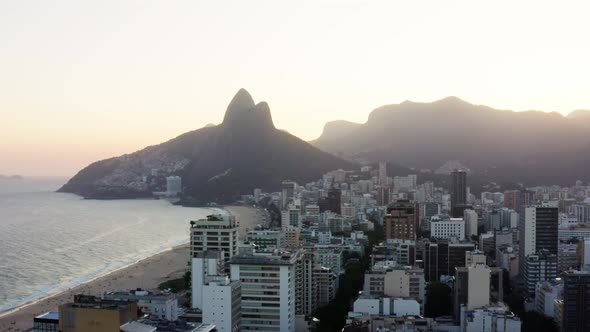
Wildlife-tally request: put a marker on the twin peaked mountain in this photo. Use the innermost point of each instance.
(216, 163)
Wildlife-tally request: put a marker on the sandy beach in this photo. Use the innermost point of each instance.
(248, 217)
(147, 274)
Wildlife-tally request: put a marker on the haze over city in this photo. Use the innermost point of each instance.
(145, 72)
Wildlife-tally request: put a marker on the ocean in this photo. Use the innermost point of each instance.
(51, 241)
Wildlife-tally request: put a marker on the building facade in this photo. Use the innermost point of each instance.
(215, 233)
(576, 302)
(458, 192)
(446, 229)
(401, 221)
(539, 267)
(268, 290)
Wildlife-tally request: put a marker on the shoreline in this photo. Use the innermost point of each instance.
(146, 273)
(151, 271)
(55, 291)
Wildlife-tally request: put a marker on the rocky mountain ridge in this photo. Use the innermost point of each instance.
(528, 146)
(216, 163)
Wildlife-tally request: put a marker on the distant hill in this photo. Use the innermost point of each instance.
(516, 146)
(581, 117)
(579, 114)
(335, 130)
(216, 163)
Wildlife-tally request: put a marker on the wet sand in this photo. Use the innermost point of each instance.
(147, 273)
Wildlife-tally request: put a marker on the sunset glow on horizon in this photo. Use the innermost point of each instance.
(83, 81)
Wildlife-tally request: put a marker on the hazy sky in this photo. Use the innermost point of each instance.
(86, 80)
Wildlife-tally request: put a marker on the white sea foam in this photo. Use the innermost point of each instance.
(51, 242)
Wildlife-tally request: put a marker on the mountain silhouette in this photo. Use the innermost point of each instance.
(518, 146)
(216, 163)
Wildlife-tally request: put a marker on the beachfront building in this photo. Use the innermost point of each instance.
(266, 238)
(223, 300)
(268, 289)
(203, 265)
(47, 322)
(214, 293)
(151, 325)
(158, 305)
(91, 314)
(215, 233)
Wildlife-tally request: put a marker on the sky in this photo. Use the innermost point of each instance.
(87, 80)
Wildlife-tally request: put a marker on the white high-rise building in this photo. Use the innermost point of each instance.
(382, 173)
(268, 289)
(218, 297)
(203, 266)
(478, 286)
(470, 217)
(497, 318)
(257, 193)
(223, 301)
(475, 257)
(539, 267)
(445, 229)
(173, 185)
(215, 233)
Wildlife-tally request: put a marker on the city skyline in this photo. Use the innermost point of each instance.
(133, 74)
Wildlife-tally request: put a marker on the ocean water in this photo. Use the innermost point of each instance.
(53, 241)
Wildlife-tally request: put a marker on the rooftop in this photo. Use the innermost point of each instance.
(137, 327)
(51, 315)
(266, 257)
(139, 294)
(92, 302)
(177, 326)
(215, 221)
